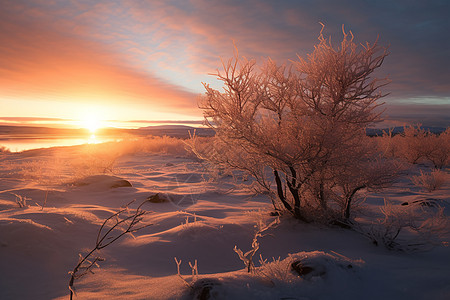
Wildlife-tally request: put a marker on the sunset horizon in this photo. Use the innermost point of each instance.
(224, 150)
(86, 123)
(127, 61)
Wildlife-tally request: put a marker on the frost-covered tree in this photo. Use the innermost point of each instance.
(294, 127)
(370, 170)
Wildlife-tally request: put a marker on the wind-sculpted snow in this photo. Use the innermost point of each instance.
(197, 218)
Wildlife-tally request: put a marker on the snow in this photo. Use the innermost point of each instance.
(201, 219)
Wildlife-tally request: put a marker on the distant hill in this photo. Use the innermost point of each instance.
(167, 127)
(50, 132)
(399, 130)
(32, 130)
(179, 131)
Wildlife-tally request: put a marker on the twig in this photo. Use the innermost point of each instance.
(106, 238)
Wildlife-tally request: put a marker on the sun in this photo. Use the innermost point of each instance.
(91, 123)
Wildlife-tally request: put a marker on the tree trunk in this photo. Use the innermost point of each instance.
(280, 192)
(296, 196)
(321, 195)
(294, 189)
(348, 201)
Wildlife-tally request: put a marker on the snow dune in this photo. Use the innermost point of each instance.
(195, 219)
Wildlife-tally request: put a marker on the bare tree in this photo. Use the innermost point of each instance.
(293, 127)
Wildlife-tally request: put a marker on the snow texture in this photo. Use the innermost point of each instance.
(196, 219)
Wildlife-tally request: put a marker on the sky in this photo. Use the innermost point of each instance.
(129, 63)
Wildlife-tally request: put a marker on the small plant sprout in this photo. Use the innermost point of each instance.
(45, 201)
(21, 201)
(194, 269)
(409, 228)
(247, 257)
(125, 221)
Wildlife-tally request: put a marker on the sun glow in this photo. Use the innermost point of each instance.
(91, 122)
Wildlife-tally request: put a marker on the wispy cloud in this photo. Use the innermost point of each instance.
(32, 119)
(153, 55)
(45, 60)
(413, 114)
(418, 63)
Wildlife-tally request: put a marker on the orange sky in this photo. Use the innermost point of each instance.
(63, 61)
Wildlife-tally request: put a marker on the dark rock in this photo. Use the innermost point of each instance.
(308, 271)
(300, 269)
(429, 202)
(156, 198)
(101, 182)
(121, 183)
(203, 289)
(342, 224)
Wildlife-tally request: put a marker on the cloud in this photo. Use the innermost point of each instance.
(32, 119)
(413, 114)
(155, 54)
(44, 61)
(418, 64)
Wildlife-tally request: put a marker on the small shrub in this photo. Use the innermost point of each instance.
(153, 144)
(439, 154)
(113, 228)
(21, 201)
(388, 144)
(309, 266)
(416, 145)
(411, 227)
(247, 257)
(430, 181)
(277, 270)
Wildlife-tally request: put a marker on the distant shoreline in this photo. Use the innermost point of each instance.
(8, 132)
(23, 138)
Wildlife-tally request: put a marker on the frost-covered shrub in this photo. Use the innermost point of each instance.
(430, 181)
(410, 227)
(294, 128)
(414, 144)
(389, 144)
(417, 145)
(247, 257)
(94, 159)
(306, 266)
(370, 172)
(164, 144)
(439, 153)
